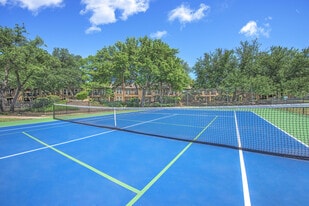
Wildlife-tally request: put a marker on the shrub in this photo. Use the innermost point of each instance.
(54, 98)
(81, 95)
(134, 102)
(42, 102)
(113, 104)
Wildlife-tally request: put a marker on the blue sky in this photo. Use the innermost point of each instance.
(193, 27)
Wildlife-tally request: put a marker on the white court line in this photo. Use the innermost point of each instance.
(242, 167)
(82, 138)
(281, 130)
(41, 148)
(38, 129)
(34, 126)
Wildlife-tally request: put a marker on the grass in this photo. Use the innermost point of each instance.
(69, 113)
(7, 120)
(294, 121)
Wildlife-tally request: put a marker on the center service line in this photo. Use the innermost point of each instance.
(245, 186)
(142, 192)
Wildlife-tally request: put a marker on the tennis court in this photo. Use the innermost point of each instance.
(191, 156)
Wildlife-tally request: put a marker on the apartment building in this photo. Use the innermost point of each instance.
(124, 94)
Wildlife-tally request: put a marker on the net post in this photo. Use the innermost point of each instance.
(115, 117)
(54, 115)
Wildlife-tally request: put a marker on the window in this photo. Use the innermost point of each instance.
(119, 91)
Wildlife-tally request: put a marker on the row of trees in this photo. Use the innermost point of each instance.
(251, 73)
(145, 63)
(149, 65)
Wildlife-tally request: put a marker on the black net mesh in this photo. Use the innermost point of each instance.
(275, 129)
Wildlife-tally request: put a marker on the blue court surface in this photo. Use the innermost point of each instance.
(63, 163)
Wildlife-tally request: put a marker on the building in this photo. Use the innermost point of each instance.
(163, 95)
(128, 93)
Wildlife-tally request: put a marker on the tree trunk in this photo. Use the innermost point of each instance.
(161, 93)
(4, 86)
(20, 85)
(123, 88)
(2, 100)
(12, 106)
(143, 97)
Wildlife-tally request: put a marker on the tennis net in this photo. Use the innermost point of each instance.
(281, 130)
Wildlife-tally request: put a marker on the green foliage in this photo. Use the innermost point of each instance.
(21, 60)
(134, 102)
(54, 98)
(144, 63)
(113, 104)
(45, 102)
(245, 72)
(81, 95)
(158, 104)
(250, 73)
(63, 72)
(41, 102)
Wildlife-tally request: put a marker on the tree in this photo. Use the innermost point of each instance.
(22, 59)
(202, 71)
(172, 71)
(8, 39)
(69, 72)
(62, 72)
(143, 62)
(274, 65)
(297, 73)
(252, 73)
(247, 54)
(218, 70)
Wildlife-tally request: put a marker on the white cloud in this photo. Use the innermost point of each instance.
(158, 34)
(131, 7)
(104, 11)
(93, 29)
(252, 29)
(185, 15)
(35, 5)
(2, 2)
